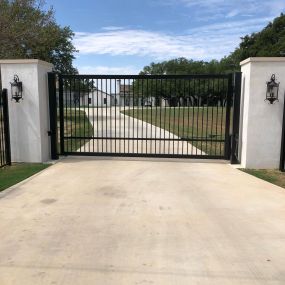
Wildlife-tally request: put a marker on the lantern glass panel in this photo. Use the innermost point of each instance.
(15, 91)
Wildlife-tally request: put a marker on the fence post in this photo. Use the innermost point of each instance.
(6, 126)
(228, 117)
(53, 114)
(236, 118)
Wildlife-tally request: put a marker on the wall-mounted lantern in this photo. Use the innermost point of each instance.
(16, 89)
(272, 90)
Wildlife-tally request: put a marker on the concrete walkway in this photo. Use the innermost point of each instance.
(111, 123)
(117, 222)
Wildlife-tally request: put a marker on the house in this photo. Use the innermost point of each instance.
(126, 94)
(96, 98)
(128, 98)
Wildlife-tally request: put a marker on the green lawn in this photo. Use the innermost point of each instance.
(189, 122)
(10, 175)
(273, 176)
(76, 123)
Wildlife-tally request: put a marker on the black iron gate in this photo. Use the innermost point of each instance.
(5, 151)
(145, 115)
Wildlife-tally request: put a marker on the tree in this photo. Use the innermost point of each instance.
(186, 66)
(270, 41)
(28, 31)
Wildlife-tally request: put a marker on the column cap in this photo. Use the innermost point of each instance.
(262, 59)
(25, 61)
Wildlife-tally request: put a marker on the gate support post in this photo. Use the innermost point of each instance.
(228, 118)
(29, 118)
(52, 114)
(6, 126)
(236, 118)
(261, 122)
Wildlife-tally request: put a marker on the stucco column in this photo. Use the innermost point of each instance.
(29, 119)
(261, 123)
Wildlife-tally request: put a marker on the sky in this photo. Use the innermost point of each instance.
(123, 36)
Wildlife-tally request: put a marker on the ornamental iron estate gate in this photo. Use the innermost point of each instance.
(5, 151)
(145, 115)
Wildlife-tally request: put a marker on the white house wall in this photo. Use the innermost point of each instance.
(96, 99)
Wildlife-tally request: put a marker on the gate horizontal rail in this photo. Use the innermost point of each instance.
(144, 115)
(178, 76)
(142, 139)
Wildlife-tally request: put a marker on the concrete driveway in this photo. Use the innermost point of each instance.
(107, 222)
(111, 123)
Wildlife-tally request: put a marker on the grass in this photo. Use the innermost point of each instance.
(11, 175)
(76, 124)
(273, 176)
(207, 123)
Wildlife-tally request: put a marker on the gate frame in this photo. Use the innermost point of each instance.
(234, 157)
(53, 114)
(231, 137)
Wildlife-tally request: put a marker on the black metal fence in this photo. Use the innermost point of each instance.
(143, 115)
(5, 151)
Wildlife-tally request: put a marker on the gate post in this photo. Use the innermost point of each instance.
(236, 118)
(6, 126)
(53, 114)
(29, 118)
(228, 117)
(261, 122)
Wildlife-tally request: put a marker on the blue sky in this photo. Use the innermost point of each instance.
(122, 36)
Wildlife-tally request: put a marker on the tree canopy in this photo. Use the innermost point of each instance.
(27, 30)
(186, 66)
(270, 41)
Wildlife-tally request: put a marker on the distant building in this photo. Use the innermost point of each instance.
(97, 98)
(125, 94)
(128, 98)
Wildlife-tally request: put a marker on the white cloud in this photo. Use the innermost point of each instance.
(108, 70)
(232, 13)
(232, 27)
(136, 42)
(206, 42)
(112, 28)
(204, 3)
(229, 8)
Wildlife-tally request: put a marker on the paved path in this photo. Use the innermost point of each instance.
(110, 122)
(119, 222)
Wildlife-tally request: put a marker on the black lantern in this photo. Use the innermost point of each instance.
(272, 90)
(17, 89)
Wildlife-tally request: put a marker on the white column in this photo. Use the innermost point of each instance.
(261, 123)
(29, 119)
